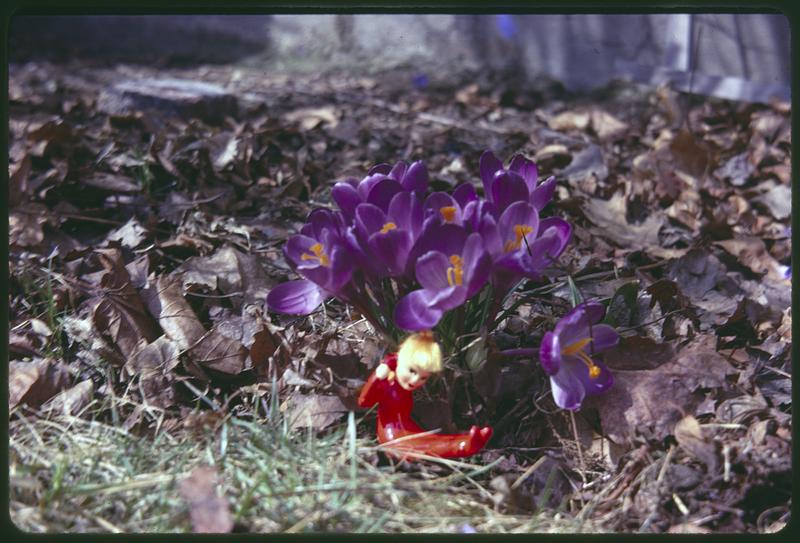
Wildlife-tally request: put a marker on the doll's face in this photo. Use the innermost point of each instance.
(410, 376)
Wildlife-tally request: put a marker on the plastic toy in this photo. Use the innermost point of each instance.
(391, 386)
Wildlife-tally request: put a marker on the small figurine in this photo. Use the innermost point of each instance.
(391, 386)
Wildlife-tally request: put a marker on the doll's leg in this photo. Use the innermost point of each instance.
(442, 445)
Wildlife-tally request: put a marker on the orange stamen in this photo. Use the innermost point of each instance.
(576, 349)
(455, 273)
(318, 254)
(448, 213)
(388, 226)
(520, 231)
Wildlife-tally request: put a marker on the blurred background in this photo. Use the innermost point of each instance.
(737, 56)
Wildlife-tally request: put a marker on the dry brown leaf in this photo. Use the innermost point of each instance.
(609, 217)
(650, 402)
(310, 118)
(18, 182)
(606, 126)
(131, 234)
(570, 120)
(120, 313)
(752, 252)
(229, 271)
(26, 223)
(313, 410)
(690, 154)
(211, 349)
(638, 353)
(112, 182)
(689, 435)
(778, 200)
(209, 512)
(35, 382)
(72, 400)
(177, 318)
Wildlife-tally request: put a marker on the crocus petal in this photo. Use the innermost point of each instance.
(507, 188)
(579, 370)
(477, 264)
(431, 271)
(491, 236)
(438, 200)
(405, 210)
(519, 213)
(526, 169)
(603, 337)
(365, 185)
(369, 219)
(579, 317)
(299, 297)
(541, 195)
(550, 353)
(392, 249)
(298, 245)
(464, 194)
(574, 326)
(446, 238)
(346, 197)
(475, 211)
(382, 192)
(382, 168)
(558, 227)
(322, 219)
(341, 269)
(398, 171)
(416, 177)
(412, 312)
(488, 165)
(448, 298)
(568, 390)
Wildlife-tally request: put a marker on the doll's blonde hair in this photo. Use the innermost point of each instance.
(422, 351)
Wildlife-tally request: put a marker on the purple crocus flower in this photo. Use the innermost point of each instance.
(519, 182)
(452, 268)
(379, 186)
(443, 208)
(319, 253)
(566, 354)
(385, 239)
(520, 244)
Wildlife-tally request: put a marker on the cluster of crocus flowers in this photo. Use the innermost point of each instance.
(409, 259)
(404, 256)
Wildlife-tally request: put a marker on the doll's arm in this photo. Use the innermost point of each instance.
(374, 388)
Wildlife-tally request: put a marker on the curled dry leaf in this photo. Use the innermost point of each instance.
(606, 126)
(211, 349)
(209, 512)
(26, 224)
(690, 436)
(72, 400)
(111, 182)
(778, 201)
(752, 252)
(160, 355)
(609, 217)
(638, 403)
(313, 410)
(131, 234)
(35, 382)
(120, 314)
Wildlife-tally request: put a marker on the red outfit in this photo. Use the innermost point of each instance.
(394, 420)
